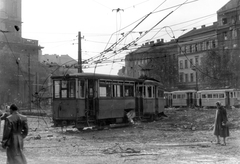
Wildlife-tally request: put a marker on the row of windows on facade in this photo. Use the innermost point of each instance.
(189, 63)
(188, 77)
(202, 46)
(145, 61)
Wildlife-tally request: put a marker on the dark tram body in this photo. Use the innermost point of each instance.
(87, 99)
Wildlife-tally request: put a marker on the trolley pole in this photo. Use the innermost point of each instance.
(79, 53)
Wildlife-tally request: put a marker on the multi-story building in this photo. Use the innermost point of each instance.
(192, 46)
(154, 60)
(18, 56)
(229, 42)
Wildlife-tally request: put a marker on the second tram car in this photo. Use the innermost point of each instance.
(88, 99)
(184, 98)
(228, 97)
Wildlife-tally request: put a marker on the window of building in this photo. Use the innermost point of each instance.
(191, 76)
(186, 78)
(187, 49)
(181, 64)
(234, 33)
(224, 21)
(196, 60)
(191, 62)
(203, 45)
(186, 64)
(213, 44)
(181, 77)
(225, 36)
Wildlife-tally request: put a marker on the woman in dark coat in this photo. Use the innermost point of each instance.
(220, 128)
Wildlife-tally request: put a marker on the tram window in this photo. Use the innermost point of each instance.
(56, 89)
(204, 96)
(117, 90)
(71, 89)
(149, 91)
(231, 95)
(129, 91)
(221, 95)
(209, 96)
(183, 96)
(234, 94)
(215, 96)
(81, 89)
(161, 93)
(105, 90)
(178, 96)
(64, 89)
(174, 96)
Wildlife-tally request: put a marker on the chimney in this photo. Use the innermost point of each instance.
(162, 40)
(203, 26)
(152, 42)
(194, 28)
(158, 40)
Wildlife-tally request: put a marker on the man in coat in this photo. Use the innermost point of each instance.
(15, 130)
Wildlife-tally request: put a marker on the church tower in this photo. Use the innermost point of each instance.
(11, 19)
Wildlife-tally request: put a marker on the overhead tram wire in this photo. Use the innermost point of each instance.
(115, 44)
(93, 58)
(133, 42)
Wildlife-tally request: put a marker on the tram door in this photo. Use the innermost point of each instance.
(139, 100)
(91, 97)
(227, 99)
(189, 99)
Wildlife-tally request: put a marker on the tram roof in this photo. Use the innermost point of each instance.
(184, 91)
(218, 90)
(96, 76)
(105, 76)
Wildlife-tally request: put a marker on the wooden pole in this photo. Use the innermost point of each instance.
(79, 53)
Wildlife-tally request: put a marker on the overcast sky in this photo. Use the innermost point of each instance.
(56, 23)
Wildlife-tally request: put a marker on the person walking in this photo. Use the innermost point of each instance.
(220, 125)
(15, 130)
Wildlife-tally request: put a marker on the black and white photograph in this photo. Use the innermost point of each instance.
(120, 82)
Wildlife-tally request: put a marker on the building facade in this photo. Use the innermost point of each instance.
(192, 47)
(154, 60)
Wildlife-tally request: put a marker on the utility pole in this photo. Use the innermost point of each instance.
(79, 53)
(29, 83)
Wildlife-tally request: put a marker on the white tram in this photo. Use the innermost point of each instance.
(228, 97)
(184, 98)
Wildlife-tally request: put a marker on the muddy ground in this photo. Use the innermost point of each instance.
(185, 136)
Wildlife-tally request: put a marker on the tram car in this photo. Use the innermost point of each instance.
(184, 98)
(227, 97)
(89, 99)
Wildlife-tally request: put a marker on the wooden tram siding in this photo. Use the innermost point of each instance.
(107, 107)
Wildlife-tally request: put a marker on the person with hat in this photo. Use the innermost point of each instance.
(15, 130)
(220, 128)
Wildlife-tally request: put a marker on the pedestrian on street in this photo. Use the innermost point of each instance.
(15, 130)
(220, 125)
